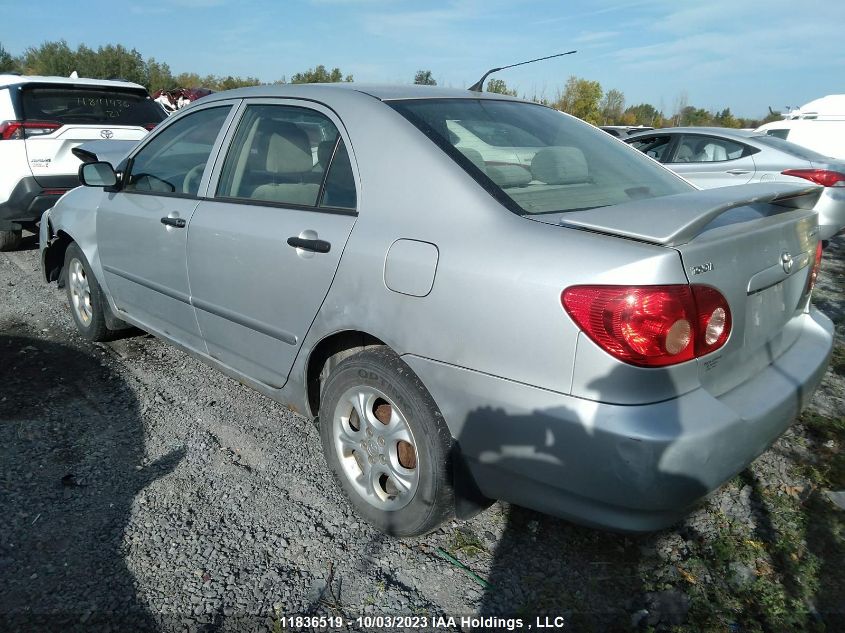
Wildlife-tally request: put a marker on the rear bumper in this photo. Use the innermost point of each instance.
(29, 199)
(625, 467)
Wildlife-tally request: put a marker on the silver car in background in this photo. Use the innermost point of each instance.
(579, 331)
(721, 157)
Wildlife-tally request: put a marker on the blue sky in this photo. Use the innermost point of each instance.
(745, 55)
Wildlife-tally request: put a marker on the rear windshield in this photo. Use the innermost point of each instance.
(535, 159)
(70, 104)
(788, 147)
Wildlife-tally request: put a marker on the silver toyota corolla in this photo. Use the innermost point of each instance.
(579, 331)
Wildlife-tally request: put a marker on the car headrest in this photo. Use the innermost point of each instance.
(509, 175)
(288, 148)
(562, 165)
(474, 156)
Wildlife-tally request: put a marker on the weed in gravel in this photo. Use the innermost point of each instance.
(467, 543)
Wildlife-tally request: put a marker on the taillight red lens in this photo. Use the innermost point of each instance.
(11, 130)
(814, 272)
(150, 126)
(824, 177)
(651, 326)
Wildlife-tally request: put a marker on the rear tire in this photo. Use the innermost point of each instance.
(10, 240)
(86, 300)
(387, 444)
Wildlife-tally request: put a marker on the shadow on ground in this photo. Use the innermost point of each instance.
(71, 462)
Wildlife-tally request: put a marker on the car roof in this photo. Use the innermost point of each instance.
(726, 132)
(389, 92)
(17, 80)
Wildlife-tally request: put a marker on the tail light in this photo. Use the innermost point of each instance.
(150, 126)
(824, 177)
(814, 272)
(13, 130)
(651, 326)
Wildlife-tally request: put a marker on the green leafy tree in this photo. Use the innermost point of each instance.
(158, 75)
(499, 87)
(695, 117)
(581, 98)
(111, 62)
(424, 78)
(319, 75)
(643, 114)
(7, 62)
(51, 58)
(726, 119)
(611, 106)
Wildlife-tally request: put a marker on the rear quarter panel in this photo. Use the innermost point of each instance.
(495, 303)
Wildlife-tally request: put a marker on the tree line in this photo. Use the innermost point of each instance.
(580, 97)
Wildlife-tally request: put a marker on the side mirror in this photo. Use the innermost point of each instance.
(97, 174)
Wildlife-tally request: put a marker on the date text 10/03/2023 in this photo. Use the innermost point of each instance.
(423, 623)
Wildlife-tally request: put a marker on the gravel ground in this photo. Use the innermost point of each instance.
(141, 490)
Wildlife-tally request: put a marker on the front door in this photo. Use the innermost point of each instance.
(142, 227)
(263, 250)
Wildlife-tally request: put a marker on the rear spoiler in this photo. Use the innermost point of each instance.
(677, 219)
(108, 151)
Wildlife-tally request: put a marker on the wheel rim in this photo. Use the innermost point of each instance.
(375, 447)
(80, 292)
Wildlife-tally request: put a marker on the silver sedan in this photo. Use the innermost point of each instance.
(578, 330)
(720, 157)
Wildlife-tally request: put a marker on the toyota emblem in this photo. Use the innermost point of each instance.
(106, 133)
(786, 260)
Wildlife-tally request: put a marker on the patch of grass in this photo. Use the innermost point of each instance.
(466, 543)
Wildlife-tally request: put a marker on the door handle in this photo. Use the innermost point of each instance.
(318, 246)
(738, 172)
(179, 223)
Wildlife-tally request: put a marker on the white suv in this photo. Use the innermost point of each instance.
(41, 120)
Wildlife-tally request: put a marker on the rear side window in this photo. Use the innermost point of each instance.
(534, 159)
(87, 106)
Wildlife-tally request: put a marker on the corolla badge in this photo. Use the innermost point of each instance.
(786, 260)
(106, 133)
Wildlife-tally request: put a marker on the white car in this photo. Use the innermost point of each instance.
(41, 120)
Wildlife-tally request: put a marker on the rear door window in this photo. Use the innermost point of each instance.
(90, 106)
(281, 155)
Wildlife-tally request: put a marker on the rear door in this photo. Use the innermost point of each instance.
(263, 247)
(60, 117)
(710, 161)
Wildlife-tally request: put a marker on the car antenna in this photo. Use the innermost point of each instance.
(478, 86)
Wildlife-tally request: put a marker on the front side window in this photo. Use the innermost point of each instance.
(534, 159)
(655, 146)
(173, 161)
(287, 155)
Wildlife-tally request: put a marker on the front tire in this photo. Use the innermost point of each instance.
(387, 444)
(10, 240)
(84, 296)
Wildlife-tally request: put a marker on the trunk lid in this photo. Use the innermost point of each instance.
(755, 244)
